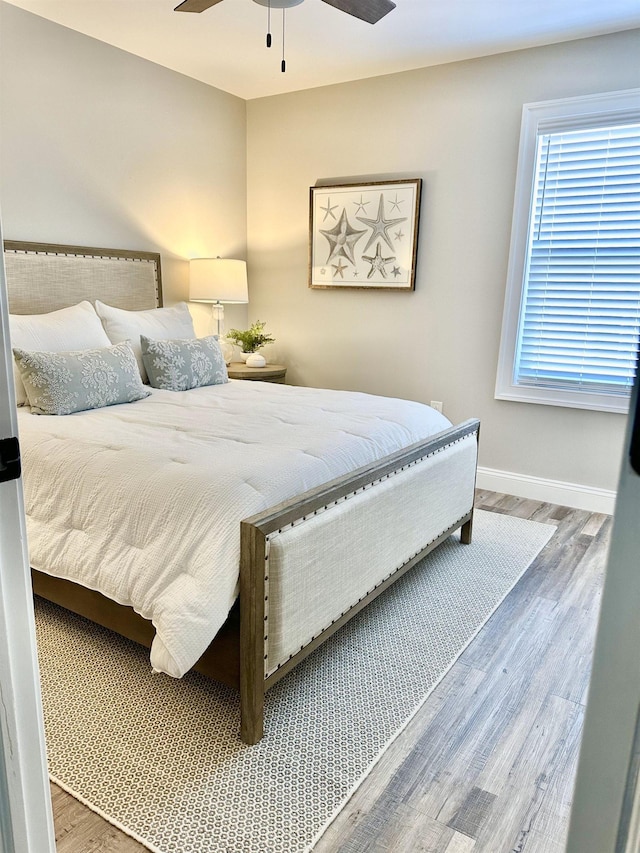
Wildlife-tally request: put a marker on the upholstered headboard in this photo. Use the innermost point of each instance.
(44, 277)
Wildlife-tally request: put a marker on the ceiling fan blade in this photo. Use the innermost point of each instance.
(196, 5)
(367, 10)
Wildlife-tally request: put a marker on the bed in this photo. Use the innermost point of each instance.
(290, 521)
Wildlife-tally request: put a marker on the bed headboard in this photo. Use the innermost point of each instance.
(44, 277)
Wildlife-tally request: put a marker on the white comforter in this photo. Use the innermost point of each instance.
(142, 501)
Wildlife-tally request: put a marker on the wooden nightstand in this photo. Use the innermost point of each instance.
(268, 373)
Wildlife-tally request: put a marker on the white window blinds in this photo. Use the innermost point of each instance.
(580, 313)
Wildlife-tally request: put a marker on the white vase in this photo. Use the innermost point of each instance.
(254, 359)
(245, 355)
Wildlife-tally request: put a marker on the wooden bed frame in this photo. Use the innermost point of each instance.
(237, 656)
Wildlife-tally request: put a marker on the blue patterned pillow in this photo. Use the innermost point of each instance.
(60, 383)
(178, 365)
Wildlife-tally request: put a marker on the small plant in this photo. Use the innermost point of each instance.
(252, 338)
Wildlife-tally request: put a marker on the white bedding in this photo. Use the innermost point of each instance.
(142, 501)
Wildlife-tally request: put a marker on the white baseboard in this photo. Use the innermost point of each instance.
(550, 491)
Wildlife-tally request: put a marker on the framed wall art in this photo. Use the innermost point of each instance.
(364, 235)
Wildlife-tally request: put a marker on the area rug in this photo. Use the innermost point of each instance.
(161, 759)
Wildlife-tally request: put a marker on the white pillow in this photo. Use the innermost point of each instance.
(161, 324)
(75, 328)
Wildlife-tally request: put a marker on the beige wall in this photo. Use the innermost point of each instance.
(457, 127)
(99, 147)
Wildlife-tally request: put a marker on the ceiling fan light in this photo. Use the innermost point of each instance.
(279, 4)
(370, 11)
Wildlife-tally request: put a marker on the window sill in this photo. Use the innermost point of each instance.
(566, 399)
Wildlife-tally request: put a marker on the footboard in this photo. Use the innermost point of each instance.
(308, 565)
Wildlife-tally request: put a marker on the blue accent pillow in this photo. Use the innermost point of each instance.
(61, 383)
(178, 365)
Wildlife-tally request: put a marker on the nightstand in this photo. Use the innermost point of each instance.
(268, 373)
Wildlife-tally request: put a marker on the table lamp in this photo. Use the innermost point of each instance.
(218, 280)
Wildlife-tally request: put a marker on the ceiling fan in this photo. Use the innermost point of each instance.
(367, 10)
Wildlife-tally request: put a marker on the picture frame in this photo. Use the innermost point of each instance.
(364, 235)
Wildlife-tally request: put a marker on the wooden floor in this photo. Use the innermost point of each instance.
(488, 763)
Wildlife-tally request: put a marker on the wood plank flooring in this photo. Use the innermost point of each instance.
(488, 763)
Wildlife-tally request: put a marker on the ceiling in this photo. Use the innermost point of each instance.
(225, 46)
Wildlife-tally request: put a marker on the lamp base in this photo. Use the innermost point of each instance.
(217, 319)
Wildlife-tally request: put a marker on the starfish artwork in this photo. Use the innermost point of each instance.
(377, 263)
(380, 226)
(364, 235)
(342, 239)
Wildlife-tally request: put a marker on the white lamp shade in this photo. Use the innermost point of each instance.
(218, 280)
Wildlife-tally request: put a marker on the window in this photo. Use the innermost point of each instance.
(572, 309)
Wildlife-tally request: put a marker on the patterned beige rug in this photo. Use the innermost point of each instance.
(161, 759)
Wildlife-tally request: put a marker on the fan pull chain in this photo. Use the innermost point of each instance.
(283, 66)
(269, 24)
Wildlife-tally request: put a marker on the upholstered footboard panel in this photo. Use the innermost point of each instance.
(320, 566)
